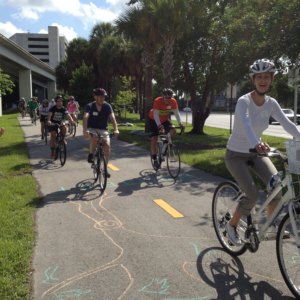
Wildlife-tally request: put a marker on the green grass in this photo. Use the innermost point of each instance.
(205, 152)
(18, 198)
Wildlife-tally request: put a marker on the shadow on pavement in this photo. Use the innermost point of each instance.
(83, 191)
(227, 276)
(148, 179)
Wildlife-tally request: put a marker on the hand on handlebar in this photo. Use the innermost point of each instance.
(262, 148)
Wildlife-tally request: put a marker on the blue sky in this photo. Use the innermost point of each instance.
(74, 18)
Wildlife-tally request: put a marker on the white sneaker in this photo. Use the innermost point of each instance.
(233, 235)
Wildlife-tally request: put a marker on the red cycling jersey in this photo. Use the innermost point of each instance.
(164, 109)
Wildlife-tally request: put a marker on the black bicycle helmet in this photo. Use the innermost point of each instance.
(167, 92)
(58, 97)
(99, 92)
(262, 66)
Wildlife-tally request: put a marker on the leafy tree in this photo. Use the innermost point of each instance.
(6, 84)
(62, 76)
(125, 97)
(138, 24)
(82, 83)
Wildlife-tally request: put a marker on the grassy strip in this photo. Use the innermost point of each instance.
(18, 197)
(205, 152)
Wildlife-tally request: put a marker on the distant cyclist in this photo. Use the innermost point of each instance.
(56, 117)
(22, 106)
(160, 118)
(44, 111)
(33, 106)
(73, 108)
(252, 114)
(96, 117)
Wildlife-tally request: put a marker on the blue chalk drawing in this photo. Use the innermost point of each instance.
(72, 294)
(49, 274)
(157, 286)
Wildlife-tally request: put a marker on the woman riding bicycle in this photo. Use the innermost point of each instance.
(252, 114)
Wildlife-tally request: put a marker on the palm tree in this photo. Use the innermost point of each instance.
(138, 24)
(171, 19)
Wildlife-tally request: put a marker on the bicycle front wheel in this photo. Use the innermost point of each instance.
(73, 130)
(173, 161)
(225, 201)
(102, 177)
(62, 152)
(288, 254)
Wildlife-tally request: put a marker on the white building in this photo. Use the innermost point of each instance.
(49, 48)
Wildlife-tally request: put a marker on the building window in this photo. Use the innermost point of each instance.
(38, 46)
(39, 53)
(38, 39)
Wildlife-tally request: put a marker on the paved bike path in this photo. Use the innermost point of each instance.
(122, 245)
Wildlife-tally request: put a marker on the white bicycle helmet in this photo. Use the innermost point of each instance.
(262, 66)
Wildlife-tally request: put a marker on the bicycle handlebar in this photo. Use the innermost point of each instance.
(272, 153)
(171, 127)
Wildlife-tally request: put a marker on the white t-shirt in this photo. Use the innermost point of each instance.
(251, 120)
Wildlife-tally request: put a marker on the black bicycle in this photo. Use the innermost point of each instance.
(72, 129)
(167, 151)
(45, 133)
(61, 148)
(99, 165)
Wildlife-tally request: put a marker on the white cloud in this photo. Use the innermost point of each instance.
(68, 32)
(8, 29)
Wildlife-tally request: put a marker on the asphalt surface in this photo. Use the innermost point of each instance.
(122, 245)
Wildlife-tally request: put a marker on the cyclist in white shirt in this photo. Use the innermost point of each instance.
(252, 114)
(44, 110)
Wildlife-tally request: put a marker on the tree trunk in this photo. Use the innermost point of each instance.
(148, 97)
(148, 59)
(168, 61)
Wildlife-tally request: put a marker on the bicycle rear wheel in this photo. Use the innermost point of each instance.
(173, 161)
(102, 177)
(288, 254)
(224, 203)
(62, 152)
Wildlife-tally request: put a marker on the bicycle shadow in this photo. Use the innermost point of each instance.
(226, 274)
(84, 190)
(148, 179)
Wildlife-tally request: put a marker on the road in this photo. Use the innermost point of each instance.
(222, 120)
(122, 245)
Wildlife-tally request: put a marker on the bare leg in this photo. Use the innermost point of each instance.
(154, 145)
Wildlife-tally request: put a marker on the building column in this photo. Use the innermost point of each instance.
(51, 89)
(25, 84)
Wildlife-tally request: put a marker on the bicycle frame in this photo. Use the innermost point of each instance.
(288, 199)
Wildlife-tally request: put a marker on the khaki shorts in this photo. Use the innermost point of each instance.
(102, 132)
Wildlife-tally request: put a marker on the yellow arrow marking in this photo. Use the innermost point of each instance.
(112, 167)
(168, 208)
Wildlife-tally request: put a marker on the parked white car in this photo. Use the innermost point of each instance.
(187, 109)
(289, 113)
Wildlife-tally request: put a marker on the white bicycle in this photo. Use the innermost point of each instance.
(252, 230)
